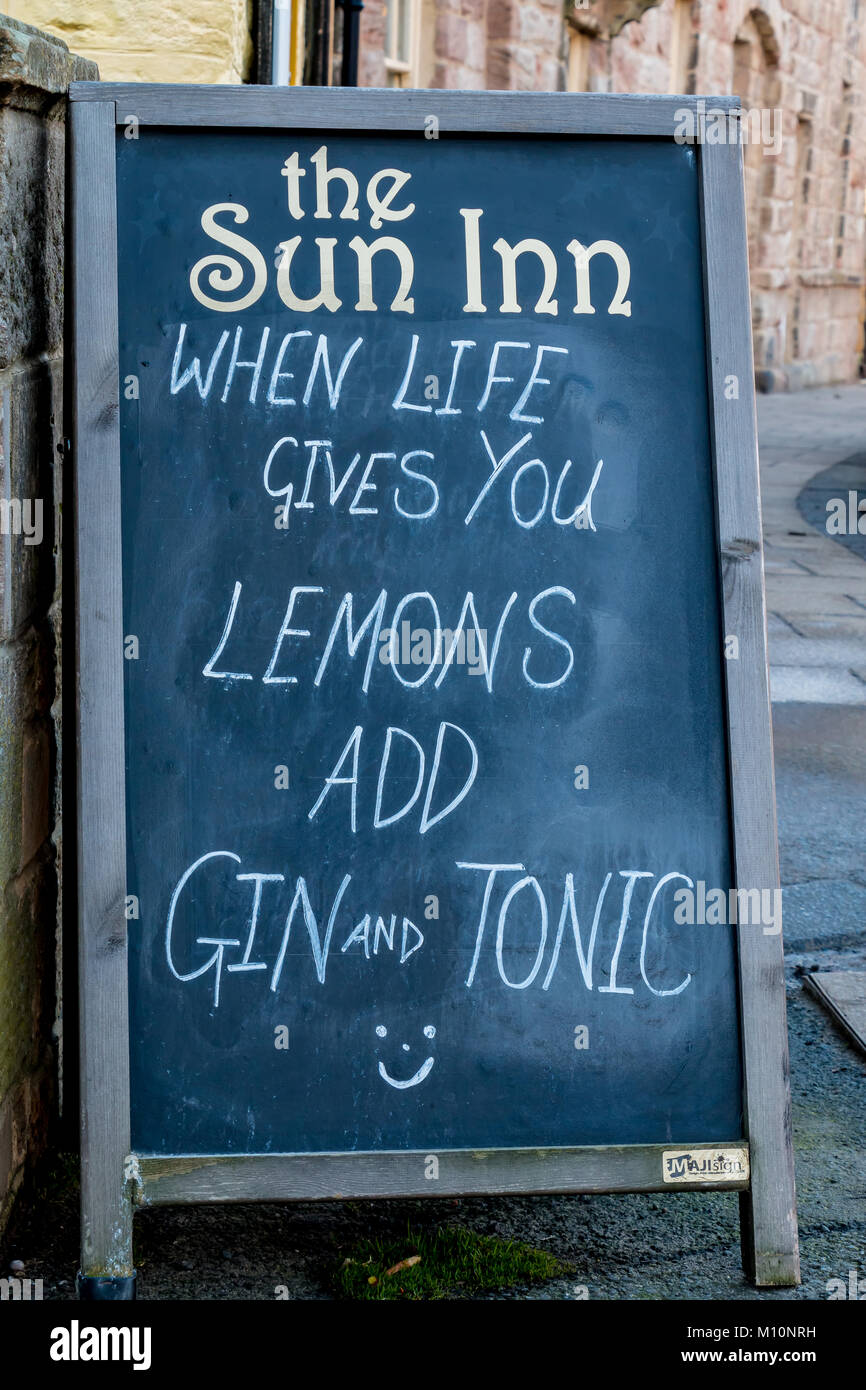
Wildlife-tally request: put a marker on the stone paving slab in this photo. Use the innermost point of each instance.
(816, 586)
(836, 629)
(790, 649)
(823, 685)
(824, 913)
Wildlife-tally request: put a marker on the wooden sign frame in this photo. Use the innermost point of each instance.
(114, 1180)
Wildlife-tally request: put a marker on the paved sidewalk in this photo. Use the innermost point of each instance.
(816, 586)
(816, 604)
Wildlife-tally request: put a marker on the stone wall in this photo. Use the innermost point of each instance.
(151, 40)
(35, 71)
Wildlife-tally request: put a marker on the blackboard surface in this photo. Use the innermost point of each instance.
(622, 677)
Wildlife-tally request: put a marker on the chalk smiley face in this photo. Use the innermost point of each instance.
(418, 1076)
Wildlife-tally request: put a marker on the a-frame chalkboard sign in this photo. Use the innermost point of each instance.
(426, 820)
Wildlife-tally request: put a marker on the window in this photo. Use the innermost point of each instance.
(401, 42)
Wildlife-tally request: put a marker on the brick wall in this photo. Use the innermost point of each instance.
(35, 71)
(807, 242)
(371, 59)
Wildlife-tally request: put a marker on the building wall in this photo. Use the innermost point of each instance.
(35, 71)
(151, 40)
(805, 186)
(805, 190)
(473, 44)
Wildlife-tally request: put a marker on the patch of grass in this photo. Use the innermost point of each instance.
(453, 1262)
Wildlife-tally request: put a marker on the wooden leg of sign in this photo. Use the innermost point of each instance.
(106, 1183)
(767, 1268)
(107, 1272)
(769, 1208)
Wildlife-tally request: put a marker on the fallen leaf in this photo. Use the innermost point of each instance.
(403, 1264)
